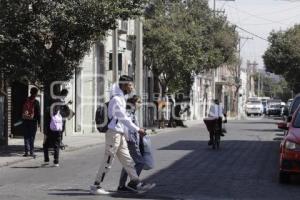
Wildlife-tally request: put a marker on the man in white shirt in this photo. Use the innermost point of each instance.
(115, 142)
(216, 111)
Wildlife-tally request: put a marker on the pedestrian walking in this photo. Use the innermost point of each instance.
(161, 112)
(115, 142)
(53, 137)
(31, 120)
(133, 141)
(65, 112)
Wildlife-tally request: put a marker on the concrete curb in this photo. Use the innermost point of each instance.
(68, 149)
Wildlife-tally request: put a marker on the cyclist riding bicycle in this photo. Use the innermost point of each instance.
(216, 111)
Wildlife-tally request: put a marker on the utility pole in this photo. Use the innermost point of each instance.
(238, 76)
(258, 85)
(139, 76)
(214, 70)
(115, 54)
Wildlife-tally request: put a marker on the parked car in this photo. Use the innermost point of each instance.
(293, 107)
(274, 107)
(286, 108)
(254, 108)
(290, 148)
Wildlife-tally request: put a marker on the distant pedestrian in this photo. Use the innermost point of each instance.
(31, 121)
(161, 112)
(178, 112)
(133, 141)
(53, 137)
(65, 112)
(115, 142)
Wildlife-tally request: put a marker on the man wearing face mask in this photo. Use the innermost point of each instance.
(115, 142)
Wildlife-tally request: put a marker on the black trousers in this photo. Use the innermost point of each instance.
(53, 139)
(219, 127)
(30, 128)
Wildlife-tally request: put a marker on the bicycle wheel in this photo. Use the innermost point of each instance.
(218, 140)
(213, 141)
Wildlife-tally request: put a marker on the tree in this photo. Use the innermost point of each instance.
(45, 40)
(184, 38)
(283, 56)
(42, 41)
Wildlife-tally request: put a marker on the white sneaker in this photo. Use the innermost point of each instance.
(56, 165)
(97, 190)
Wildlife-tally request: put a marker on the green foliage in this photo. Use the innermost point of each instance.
(274, 87)
(67, 27)
(182, 38)
(283, 56)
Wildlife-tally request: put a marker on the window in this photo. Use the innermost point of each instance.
(120, 61)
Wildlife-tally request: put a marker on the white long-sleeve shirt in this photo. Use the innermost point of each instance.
(216, 111)
(117, 112)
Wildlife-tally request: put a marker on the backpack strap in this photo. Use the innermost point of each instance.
(109, 120)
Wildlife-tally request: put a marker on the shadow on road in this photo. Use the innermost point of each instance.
(239, 170)
(69, 192)
(252, 122)
(262, 130)
(14, 150)
(127, 195)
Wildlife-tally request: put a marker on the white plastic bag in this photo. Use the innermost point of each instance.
(148, 157)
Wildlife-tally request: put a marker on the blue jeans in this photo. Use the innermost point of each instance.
(30, 128)
(137, 157)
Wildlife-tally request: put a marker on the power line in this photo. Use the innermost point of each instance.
(250, 32)
(258, 17)
(282, 10)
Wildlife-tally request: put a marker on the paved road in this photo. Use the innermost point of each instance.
(246, 167)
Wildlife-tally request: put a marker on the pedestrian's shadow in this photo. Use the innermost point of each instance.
(14, 150)
(27, 167)
(69, 192)
(34, 167)
(128, 195)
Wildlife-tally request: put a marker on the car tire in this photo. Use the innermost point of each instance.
(284, 177)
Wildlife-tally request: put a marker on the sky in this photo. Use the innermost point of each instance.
(259, 17)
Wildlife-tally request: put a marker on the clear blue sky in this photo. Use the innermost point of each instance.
(259, 17)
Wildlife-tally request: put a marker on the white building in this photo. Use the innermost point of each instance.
(91, 83)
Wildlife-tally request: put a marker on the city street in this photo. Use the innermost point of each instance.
(246, 167)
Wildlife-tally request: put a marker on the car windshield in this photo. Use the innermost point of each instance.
(275, 106)
(254, 103)
(297, 121)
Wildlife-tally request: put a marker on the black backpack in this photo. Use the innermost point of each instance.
(101, 118)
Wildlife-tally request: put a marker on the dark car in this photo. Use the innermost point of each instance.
(274, 107)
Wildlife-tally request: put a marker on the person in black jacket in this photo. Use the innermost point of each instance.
(31, 120)
(65, 112)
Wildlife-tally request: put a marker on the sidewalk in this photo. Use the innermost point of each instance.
(13, 153)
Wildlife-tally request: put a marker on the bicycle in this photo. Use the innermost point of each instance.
(214, 127)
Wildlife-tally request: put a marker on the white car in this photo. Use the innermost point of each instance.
(254, 108)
